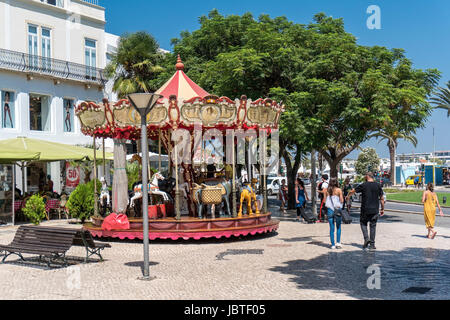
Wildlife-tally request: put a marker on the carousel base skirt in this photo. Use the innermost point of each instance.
(189, 228)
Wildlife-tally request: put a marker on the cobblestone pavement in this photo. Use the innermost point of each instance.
(294, 264)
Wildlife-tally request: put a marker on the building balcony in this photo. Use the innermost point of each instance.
(56, 69)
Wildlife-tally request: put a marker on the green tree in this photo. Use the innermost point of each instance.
(337, 92)
(136, 64)
(441, 98)
(368, 160)
(392, 137)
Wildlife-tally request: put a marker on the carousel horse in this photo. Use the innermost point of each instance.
(225, 187)
(104, 193)
(153, 188)
(248, 195)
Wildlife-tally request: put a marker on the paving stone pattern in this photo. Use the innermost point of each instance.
(294, 264)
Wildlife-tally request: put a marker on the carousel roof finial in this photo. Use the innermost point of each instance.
(179, 65)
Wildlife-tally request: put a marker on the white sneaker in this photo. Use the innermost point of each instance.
(333, 247)
(338, 245)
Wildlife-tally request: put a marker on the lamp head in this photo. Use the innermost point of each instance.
(144, 102)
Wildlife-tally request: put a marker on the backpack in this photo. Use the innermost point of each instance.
(320, 189)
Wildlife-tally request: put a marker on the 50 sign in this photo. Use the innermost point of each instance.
(72, 176)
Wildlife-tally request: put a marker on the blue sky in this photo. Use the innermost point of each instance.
(420, 27)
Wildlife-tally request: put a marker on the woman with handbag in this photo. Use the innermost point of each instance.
(334, 201)
(301, 196)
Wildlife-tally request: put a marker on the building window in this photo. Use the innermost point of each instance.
(68, 115)
(32, 46)
(57, 3)
(8, 109)
(90, 51)
(46, 49)
(40, 119)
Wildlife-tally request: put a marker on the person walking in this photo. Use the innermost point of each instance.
(322, 188)
(283, 195)
(301, 196)
(346, 188)
(430, 200)
(372, 198)
(334, 200)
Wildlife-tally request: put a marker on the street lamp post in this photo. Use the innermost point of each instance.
(144, 103)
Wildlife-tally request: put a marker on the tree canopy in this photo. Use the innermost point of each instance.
(336, 91)
(368, 160)
(136, 64)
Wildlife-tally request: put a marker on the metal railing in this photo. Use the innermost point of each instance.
(95, 2)
(24, 62)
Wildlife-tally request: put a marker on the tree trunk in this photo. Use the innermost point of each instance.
(391, 146)
(334, 169)
(313, 182)
(120, 179)
(334, 158)
(292, 170)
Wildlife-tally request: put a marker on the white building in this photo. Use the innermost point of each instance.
(52, 56)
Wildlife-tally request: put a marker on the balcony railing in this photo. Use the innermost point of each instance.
(95, 2)
(24, 62)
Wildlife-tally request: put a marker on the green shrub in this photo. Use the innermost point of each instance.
(81, 201)
(35, 209)
(133, 174)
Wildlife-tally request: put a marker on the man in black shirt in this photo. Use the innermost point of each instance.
(372, 197)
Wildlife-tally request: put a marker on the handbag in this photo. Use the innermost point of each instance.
(337, 211)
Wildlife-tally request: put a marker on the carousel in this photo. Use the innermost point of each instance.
(203, 195)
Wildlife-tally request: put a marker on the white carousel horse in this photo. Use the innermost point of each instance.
(104, 191)
(153, 188)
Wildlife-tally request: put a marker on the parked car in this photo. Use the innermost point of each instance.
(410, 180)
(273, 185)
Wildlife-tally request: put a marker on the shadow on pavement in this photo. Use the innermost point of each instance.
(346, 272)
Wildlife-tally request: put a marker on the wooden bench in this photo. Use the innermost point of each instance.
(51, 243)
(84, 239)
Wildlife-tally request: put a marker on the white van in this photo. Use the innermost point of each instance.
(273, 185)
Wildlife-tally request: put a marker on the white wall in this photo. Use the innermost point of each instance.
(22, 87)
(69, 27)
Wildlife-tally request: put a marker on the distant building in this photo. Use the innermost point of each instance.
(413, 157)
(442, 155)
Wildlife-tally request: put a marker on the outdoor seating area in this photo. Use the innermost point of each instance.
(33, 156)
(51, 244)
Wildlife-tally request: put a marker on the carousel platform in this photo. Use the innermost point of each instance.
(189, 228)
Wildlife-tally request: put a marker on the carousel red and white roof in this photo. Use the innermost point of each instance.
(181, 85)
(184, 105)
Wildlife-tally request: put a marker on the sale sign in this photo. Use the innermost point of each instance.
(72, 176)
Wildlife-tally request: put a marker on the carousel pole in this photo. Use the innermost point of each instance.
(234, 179)
(170, 152)
(177, 192)
(104, 158)
(159, 150)
(95, 181)
(264, 173)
